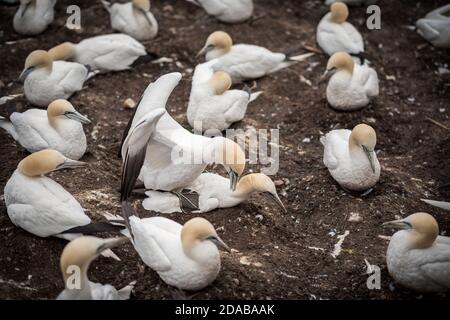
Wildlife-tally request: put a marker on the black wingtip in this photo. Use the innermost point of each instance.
(361, 56)
(95, 227)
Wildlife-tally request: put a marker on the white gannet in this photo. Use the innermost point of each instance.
(352, 2)
(184, 256)
(351, 86)
(40, 205)
(435, 27)
(46, 81)
(75, 261)
(211, 104)
(163, 154)
(335, 34)
(133, 18)
(417, 257)
(33, 16)
(230, 11)
(244, 61)
(110, 52)
(350, 157)
(214, 192)
(59, 128)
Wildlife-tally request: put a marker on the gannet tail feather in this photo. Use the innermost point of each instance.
(148, 58)
(127, 212)
(255, 95)
(300, 57)
(439, 204)
(8, 126)
(94, 227)
(106, 4)
(125, 292)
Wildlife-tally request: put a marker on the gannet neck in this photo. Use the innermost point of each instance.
(143, 5)
(362, 136)
(218, 43)
(193, 233)
(64, 51)
(200, 241)
(40, 163)
(39, 59)
(220, 82)
(226, 152)
(339, 12)
(245, 186)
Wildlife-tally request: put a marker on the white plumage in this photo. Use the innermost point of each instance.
(230, 11)
(346, 156)
(42, 206)
(435, 27)
(110, 52)
(417, 257)
(33, 17)
(211, 104)
(352, 2)
(244, 61)
(336, 34)
(133, 18)
(174, 157)
(58, 128)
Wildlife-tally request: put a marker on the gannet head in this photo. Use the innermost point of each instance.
(220, 82)
(197, 231)
(45, 161)
(423, 229)
(79, 253)
(62, 108)
(339, 12)
(259, 182)
(219, 41)
(143, 5)
(63, 51)
(338, 61)
(229, 154)
(364, 136)
(38, 59)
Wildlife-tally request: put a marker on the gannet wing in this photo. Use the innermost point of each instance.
(70, 76)
(237, 102)
(436, 264)
(154, 97)
(103, 291)
(125, 292)
(161, 201)
(335, 144)
(203, 72)
(440, 204)
(213, 7)
(27, 133)
(355, 41)
(147, 242)
(134, 149)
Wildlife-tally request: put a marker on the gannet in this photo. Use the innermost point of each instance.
(46, 81)
(417, 257)
(59, 128)
(211, 104)
(351, 86)
(435, 27)
(352, 2)
(350, 157)
(110, 52)
(439, 204)
(335, 34)
(163, 154)
(230, 11)
(75, 261)
(184, 256)
(244, 61)
(133, 18)
(40, 205)
(33, 16)
(214, 192)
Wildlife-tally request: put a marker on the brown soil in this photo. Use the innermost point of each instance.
(413, 153)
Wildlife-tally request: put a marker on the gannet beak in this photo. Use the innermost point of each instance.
(234, 178)
(276, 198)
(75, 115)
(220, 244)
(70, 164)
(111, 243)
(202, 51)
(146, 17)
(25, 74)
(397, 224)
(328, 73)
(369, 156)
(25, 9)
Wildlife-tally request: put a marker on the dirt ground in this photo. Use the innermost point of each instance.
(287, 256)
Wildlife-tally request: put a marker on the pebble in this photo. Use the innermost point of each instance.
(129, 103)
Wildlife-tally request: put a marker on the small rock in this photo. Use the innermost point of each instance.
(244, 260)
(258, 264)
(259, 217)
(168, 8)
(129, 104)
(278, 182)
(306, 140)
(355, 217)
